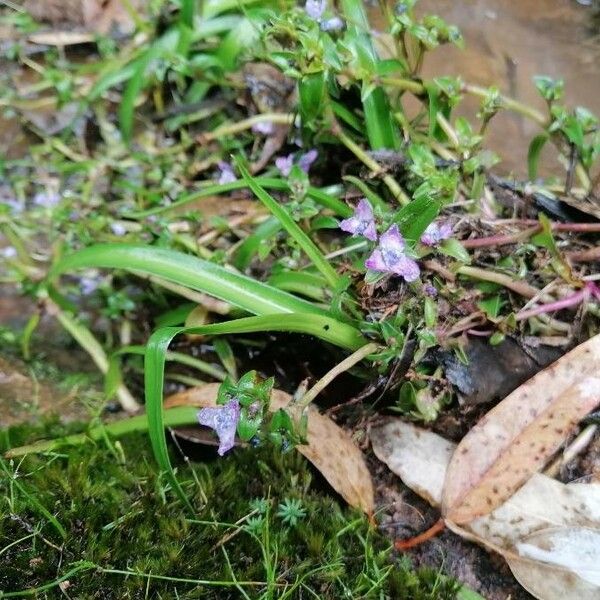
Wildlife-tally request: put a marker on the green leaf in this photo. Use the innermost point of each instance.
(533, 154)
(491, 306)
(189, 271)
(414, 218)
(381, 127)
(311, 93)
(311, 250)
(455, 249)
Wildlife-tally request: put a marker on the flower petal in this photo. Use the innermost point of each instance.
(284, 164)
(435, 233)
(375, 262)
(224, 420)
(307, 159)
(392, 241)
(407, 268)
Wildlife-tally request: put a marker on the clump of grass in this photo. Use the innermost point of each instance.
(260, 518)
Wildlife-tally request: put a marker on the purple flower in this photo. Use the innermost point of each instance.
(88, 286)
(46, 199)
(306, 160)
(8, 252)
(361, 222)
(315, 8)
(263, 127)
(285, 164)
(333, 24)
(224, 420)
(435, 233)
(430, 290)
(227, 175)
(118, 229)
(389, 256)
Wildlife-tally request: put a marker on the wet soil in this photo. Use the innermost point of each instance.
(507, 42)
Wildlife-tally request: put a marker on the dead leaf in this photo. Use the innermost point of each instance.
(418, 456)
(518, 436)
(549, 583)
(330, 449)
(576, 549)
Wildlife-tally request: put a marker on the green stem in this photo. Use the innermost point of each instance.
(173, 417)
(373, 165)
(340, 368)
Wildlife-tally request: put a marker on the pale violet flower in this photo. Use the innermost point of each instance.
(435, 233)
(88, 286)
(46, 199)
(362, 222)
(8, 252)
(430, 290)
(223, 419)
(118, 229)
(285, 164)
(263, 127)
(315, 8)
(389, 256)
(307, 159)
(333, 24)
(226, 173)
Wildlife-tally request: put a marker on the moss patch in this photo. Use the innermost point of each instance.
(119, 518)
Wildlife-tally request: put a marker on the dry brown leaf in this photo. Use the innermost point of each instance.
(330, 449)
(518, 436)
(546, 582)
(418, 456)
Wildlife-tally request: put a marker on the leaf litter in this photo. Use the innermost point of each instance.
(548, 531)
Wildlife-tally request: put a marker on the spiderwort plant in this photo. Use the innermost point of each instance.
(243, 408)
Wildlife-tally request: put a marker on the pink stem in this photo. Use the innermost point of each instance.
(590, 289)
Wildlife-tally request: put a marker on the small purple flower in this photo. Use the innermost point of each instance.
(8, 252)
(333, 24)
(389, 256)
(224, 420)
(306, 160)
(118, 229)
(263, 127)
(88, 286)
(46, 199)
(430, 290)
(226, 173)
(315, 8)
(435, 233)
(361, 222)
(285, 164)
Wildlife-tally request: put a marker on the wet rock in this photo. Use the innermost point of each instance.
(494, 371)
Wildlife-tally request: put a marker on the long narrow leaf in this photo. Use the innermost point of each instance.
(322, 198)
(195, 273)
(311, 250)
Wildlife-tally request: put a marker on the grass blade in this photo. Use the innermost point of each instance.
(190, 271)
(311, 250)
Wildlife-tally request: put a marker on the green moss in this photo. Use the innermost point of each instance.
(118, 516)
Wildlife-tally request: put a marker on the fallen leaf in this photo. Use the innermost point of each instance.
(418, 456)
(576, 549)
(330, 449)
(518, 436)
